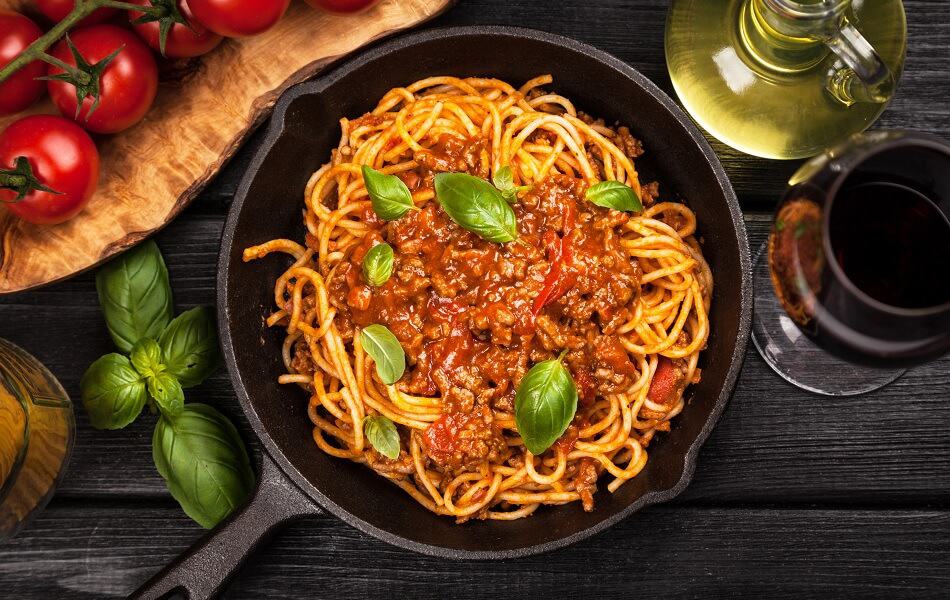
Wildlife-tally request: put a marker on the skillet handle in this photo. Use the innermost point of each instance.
(203, 570)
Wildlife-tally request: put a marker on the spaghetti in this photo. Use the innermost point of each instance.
(625, 296)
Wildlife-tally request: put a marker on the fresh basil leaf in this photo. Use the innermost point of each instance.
(615, 195)
(545, 404)
(378, 264)
(135, 296)
(167, 392)
(112, 391)
(382, 345)
(504, 180)
(146, 357)
(477, 206)
(382, 434)
(203, 461)
(390, 197)
(190, 346)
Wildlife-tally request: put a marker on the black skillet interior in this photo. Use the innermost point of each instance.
(269, 204)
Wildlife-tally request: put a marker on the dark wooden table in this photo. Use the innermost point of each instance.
(795, 495)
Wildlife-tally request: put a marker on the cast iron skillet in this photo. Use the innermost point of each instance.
(296, 478)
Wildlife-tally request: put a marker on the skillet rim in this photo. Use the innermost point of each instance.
(329, 77)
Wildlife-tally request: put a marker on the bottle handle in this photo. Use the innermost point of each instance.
(864, 76)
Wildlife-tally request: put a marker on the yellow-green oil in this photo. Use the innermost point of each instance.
(767, 94)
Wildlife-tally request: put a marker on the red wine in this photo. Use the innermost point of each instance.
(892, 242)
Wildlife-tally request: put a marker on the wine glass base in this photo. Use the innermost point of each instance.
(795, 357)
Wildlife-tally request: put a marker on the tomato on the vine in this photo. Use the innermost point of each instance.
(56, 11)
(186, 37)
(124, 68)
(342, 6)
(49, 168)
(238, 18)
(21, 89)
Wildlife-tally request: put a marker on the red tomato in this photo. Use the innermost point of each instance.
(56, 10)
(182, 42)
(60, 156)
(127, 86)
(342, 6)
(21, 89)
(238, 18)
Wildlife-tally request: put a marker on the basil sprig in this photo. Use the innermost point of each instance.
(135, 296)
(202, 459)
(380, 343)
(615, 195)
(381, 433)
(196, 449)
(545, 404)
(378, 264)
(477, 206)
(390, 197)
(504, 181)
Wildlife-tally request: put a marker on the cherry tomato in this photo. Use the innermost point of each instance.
(21, 89)
(56, 10)
(127, 86)
(182, 42)
(342, 6)
(60, 156)
(238, 18)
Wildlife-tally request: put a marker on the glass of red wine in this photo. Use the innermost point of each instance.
(853, 285)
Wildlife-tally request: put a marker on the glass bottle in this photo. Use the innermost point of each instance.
(36, 436)
(785, 78)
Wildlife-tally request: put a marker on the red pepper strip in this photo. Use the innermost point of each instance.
(560, 254)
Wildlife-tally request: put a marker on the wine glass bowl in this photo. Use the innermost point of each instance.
(857, 260)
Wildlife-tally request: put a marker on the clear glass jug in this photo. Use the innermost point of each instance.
(36, 436)
(785, 78)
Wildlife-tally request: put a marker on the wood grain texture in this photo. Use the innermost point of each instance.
(795, 495)
(204, 109)
(78, 552)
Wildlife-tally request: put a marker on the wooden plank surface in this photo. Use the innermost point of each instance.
(795, 495)
(80, 552)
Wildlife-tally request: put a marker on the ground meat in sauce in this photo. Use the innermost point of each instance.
(463, 308)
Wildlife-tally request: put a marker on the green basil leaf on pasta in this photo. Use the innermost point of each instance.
(477, 206)
(112, 391)
(378, 264)
(382, 434)
(504, 181)
(146, 357)
(135, 296)
(190, 346)
(545, 404)
(390, 197)
(382, 345)
(166, 391)
(615, 195)
(203, 461)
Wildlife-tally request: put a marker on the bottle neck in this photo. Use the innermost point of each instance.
(788, 35)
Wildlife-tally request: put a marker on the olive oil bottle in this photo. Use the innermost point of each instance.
(36, 435)
(785, 78)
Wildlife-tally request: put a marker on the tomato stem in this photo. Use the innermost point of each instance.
(81, 9)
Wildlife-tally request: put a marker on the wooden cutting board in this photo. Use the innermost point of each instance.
(205, 108)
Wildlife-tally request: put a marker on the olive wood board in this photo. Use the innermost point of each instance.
(204, 109)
